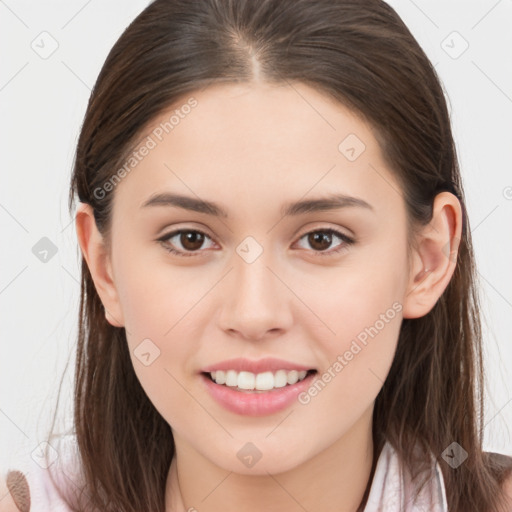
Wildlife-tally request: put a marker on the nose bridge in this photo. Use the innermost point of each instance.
(253, 278)
(256, 300)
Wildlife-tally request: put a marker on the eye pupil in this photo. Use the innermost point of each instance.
(193, 237)
(319, 237)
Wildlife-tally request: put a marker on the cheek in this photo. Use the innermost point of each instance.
(361, 315)
(366, 333)
(162, 349)
(156, 297)
(351, 301)
(158, 307)
(357, 360)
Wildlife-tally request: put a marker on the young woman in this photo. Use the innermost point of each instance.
(278, 306)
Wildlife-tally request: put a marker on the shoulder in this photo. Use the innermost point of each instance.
(507, 489)
(44, 480)
(502, 464)
(14, 495)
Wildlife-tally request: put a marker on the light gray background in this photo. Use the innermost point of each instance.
(42, 103)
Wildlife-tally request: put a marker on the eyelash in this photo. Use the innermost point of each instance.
(347, 241)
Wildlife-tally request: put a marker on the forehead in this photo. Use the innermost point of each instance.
(259, 142)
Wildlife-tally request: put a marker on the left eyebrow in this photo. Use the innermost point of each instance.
(331, 202)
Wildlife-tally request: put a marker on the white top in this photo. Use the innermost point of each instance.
(389, 492)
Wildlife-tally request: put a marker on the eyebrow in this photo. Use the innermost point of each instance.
(330, 202)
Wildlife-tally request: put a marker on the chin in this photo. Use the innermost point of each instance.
(259, 459)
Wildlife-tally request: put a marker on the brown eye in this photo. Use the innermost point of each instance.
(191, 241)
(321, 239)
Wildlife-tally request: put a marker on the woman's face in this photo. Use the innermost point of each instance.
(259, 283)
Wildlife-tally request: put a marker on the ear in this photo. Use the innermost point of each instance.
(435, 258)
(98, 260)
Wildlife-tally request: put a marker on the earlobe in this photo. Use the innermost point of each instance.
(98, 261)
(435, 258)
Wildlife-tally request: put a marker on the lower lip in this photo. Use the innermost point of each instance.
(256, 404)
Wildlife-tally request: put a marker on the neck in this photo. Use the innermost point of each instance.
(333, 480)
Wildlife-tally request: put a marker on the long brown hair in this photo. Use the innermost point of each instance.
(360, 53)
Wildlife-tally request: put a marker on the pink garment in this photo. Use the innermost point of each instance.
(389, 492)
(392, 492)
(62, 462)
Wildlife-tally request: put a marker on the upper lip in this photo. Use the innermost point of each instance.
(268, 364)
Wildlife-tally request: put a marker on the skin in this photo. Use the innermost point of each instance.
(251, 148)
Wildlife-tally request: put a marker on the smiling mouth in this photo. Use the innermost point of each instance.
(255, 391)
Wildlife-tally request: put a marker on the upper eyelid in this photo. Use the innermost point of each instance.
(307, 231)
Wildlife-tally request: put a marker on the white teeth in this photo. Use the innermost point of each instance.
(246, 380)
(231, 378)
(293, 377)
(260, 382)
(280, 379)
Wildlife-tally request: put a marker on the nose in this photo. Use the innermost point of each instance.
(255, 300)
